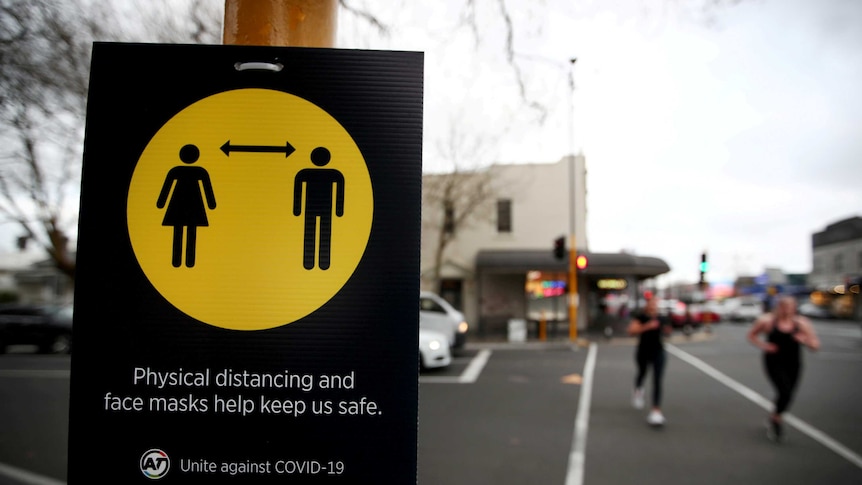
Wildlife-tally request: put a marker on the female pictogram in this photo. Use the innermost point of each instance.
(186, 206)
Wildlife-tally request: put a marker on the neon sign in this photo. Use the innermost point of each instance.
(612, 284)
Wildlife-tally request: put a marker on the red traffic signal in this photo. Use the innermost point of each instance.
(581, 262)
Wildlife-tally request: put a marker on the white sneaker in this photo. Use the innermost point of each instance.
(638, 398)
(655, 418)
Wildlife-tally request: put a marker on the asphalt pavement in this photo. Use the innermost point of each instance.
(523, 421)
(561, 413)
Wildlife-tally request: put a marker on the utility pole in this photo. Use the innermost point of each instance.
(299, 23)
(573, 275)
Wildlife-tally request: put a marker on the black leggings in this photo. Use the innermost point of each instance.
(783, 374)
(657, 360)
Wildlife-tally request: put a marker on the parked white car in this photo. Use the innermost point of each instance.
(743, 310)
(433, 350)
(437, 314)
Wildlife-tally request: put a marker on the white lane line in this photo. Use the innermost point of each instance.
(25, 477)
(577, 457)
(470, 374)
(764, 403)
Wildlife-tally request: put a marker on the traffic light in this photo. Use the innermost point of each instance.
(704, 267)
(560, 247)
(581, 262)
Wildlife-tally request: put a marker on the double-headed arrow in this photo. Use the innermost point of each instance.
(287, 148)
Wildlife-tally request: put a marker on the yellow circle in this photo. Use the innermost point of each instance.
(249, 257)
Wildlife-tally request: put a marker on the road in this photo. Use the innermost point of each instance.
(34, 418)
(555, 413)
(516, 423)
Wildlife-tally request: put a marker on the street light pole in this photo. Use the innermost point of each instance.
(573, 276)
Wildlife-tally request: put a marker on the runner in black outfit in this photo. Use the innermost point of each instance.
(649, 327)
(786, 332)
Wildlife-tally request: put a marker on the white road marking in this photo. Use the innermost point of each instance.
(764, 403)
(25, 477)
(577, 457)
(470, 374)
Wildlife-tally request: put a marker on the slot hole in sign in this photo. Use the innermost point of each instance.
(258, 66)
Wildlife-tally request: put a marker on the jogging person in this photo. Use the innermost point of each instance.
(785, 333)
(649, 327)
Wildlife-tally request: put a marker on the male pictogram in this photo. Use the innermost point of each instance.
(318, 183)
(186, 206)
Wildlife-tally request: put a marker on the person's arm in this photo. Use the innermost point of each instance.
(166, 189)
(805, 334)
(760, 326)
(208, 189)
(636, 327)
(297, 192)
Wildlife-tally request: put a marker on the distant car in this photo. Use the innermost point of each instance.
(49, 327)
(811, 310)
(745, 311)
(673, 310)
(705, 313)
(433, 350)
(435, 313)
(687, 317)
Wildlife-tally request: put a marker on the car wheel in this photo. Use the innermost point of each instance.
(60, 344)
(687, 329)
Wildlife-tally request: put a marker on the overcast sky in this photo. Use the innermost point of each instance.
(735, 129)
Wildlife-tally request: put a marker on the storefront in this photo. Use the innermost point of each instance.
(532, 285)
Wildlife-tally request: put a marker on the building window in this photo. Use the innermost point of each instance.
(504, 215)
(839, 263)
(449, 217)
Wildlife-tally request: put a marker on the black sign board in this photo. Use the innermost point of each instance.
(246, 301)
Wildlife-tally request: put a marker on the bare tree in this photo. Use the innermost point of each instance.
(457, 199)
(45, 48)
(43, 87)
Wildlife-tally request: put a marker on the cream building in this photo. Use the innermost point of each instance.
(501, 224)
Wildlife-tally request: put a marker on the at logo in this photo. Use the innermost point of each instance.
(155, 464)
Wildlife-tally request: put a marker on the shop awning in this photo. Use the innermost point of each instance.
(599, 264)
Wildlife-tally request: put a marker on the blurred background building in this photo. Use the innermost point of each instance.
(495, 244)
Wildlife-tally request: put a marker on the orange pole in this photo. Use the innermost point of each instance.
(573, 292)
(543, 328)
(300, 23)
